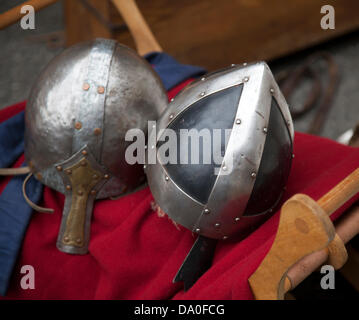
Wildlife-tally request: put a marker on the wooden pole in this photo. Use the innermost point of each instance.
(144, 39)
(341, 193)
(13, 15)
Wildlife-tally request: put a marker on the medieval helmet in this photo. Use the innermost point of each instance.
(76, 120)
(226, 198)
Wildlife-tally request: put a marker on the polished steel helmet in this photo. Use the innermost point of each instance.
(227, 198)
(76, 120)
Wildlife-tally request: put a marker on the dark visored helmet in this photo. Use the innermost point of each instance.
(220, 200)
(76, 120)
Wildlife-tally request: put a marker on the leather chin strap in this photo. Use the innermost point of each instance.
(14, 171)
(29, 202)
(22, 171)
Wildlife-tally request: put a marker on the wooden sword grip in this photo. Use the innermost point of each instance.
(304, 228)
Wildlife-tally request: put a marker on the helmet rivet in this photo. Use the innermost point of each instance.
(238, 121)
(144, 166)
(206, 211)
(78, 241)
(225, 238)
(95, 176)
(217, 225)
(224, 168)
(68, 187)
(85, 86)
(253, 174)
(244, 63)
(59, 168)
(203, 78)
(106, 176)
(271, 90)
(83, 163)
(84, 152)
(293, 156)
(171, 116)
(202, 94)
(173, 99)
(237, 219)
(100, 89)
(68, 171)
(66, 239)
(93, 192)
(80, 192)
(265, 130)
(198, 230)
(246, 79)
(78, 125)
(166, 178)
(97, 131)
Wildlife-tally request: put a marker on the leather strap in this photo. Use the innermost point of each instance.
(29, 202)
(14, 171)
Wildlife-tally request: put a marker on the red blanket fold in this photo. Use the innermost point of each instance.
(134, 253)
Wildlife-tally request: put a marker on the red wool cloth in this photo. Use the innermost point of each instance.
(135, 254)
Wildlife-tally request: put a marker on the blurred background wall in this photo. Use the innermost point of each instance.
(213, 34)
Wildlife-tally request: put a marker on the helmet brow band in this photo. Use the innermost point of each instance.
(14, 171)
(29, 202)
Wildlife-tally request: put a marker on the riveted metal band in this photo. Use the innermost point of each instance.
(244, 152)
(89, 120)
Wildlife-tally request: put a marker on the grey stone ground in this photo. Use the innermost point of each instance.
(22, 57)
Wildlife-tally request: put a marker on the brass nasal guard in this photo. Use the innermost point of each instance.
(83, 178)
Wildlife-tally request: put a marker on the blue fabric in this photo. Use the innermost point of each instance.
(15, 216)
(15, 213)
(11, 140)
(170, 71)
